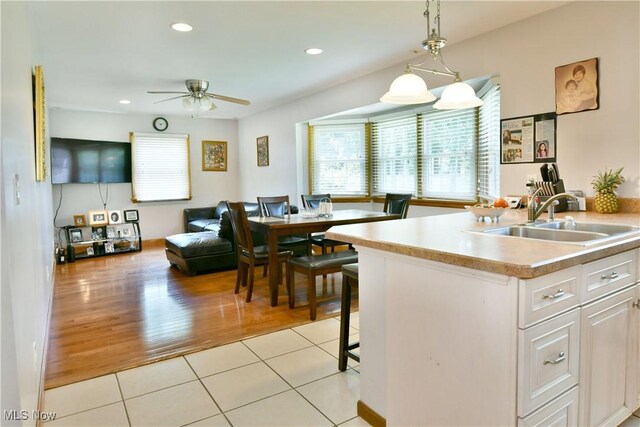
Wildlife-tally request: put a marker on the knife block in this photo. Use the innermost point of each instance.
(558, 187)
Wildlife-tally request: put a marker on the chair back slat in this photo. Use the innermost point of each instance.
(312, 201)
(240, 225)
(397, 204)
(274, 206)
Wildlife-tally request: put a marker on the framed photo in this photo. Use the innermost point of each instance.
(90, 250)
(577, 87)
(528, 139)
(214, 155)
(108, 247)
(98, 218)
(38, 123)
(75, 234)
(131, 215)
(115, 217)
(263, 150)
(80, 220)
(126, 232)
(111, 232)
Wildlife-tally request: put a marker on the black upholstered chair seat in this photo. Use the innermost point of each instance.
(333, 259)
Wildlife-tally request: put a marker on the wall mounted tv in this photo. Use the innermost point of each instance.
(87, 161)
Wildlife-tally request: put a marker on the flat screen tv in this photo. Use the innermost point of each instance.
(87, 161)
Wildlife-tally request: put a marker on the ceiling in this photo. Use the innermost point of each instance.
(95, 53)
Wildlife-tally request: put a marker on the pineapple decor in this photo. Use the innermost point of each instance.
(605, 184)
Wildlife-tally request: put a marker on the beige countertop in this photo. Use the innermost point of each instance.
(447, 239)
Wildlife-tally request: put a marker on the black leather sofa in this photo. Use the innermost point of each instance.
(208, 243)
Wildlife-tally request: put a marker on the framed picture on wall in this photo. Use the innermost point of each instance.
(577, 87)
(214, 156)
(263, 150)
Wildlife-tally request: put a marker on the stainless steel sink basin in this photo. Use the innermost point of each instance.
(584, 233)
(546, 233)
(609, 229)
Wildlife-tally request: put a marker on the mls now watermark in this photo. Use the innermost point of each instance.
(23, 415)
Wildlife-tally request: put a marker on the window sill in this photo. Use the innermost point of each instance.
(436, 203)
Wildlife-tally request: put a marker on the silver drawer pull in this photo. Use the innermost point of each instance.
(559, 293)
(637, 304)
(613, 275)
(560, 358)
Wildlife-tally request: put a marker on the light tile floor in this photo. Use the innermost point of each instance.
(289, 377)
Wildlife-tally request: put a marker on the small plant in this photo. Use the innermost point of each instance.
(605, 184)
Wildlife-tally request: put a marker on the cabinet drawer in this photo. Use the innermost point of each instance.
(562, 411)
(546, 296)
(548, 357)
(609, 274)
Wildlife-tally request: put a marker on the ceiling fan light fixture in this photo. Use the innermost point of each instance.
(188, 104)
(408, 89)
(182, 27)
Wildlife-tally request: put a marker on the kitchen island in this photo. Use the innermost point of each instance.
(464, 328)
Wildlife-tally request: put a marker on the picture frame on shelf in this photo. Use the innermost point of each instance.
(131, 215)
(111, 232)
(214, 156)
(98, 218)
(262, 147)
(115, 217)
(75, 235)
(99, 233)
(108, 247)
(80, 220)
(126, 232)
(90, 251)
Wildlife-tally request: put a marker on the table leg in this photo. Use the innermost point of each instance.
(273, 267)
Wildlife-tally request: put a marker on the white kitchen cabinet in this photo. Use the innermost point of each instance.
(609, 358)
(466, 347)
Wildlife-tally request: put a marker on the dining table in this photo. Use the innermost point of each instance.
(273, 227)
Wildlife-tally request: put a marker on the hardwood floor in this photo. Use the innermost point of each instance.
(117, 312)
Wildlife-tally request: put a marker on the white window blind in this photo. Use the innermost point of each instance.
(489, 145)
(338, 160)
(160, 167)
(394, 155)
(449, 154)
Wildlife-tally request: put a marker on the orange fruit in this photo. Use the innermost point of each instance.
(500, 203)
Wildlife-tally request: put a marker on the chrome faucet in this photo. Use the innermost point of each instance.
(533, 211)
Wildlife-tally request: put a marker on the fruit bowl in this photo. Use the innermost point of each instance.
(482, 212)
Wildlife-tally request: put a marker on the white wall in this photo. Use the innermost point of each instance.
(27, 247)
(524, 54)
(157, 219)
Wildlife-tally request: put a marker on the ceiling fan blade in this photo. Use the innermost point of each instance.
(175, 97)
(156, 91)
(229, 99)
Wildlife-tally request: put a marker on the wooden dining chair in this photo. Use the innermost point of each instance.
(312, 201)
(279, 206)
(397, 204)
(248, 255)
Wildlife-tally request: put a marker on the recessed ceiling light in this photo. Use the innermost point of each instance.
(124, 101)
(313, 51)
(182, 27)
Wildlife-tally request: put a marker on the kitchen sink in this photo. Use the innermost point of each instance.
(584, 233)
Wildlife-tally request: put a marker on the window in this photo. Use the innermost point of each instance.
(433, 154)
(449, 154)
(394, 155)
(160, 167)
(338, 159)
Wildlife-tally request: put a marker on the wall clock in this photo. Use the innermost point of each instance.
(160, 124)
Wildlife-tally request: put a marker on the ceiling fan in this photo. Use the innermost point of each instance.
(198, 98)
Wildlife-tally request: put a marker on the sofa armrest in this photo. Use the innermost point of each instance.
(191, 214)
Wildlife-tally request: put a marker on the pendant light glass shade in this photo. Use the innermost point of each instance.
(457, 96)
(408, 89)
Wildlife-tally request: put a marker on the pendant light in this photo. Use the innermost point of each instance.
(412, 89)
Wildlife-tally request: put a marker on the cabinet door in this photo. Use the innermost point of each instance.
(609, 359)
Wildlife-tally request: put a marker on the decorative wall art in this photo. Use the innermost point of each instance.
(528, 139)
(214, 155)
(38, 123)
(577, 87)
(263, 150)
